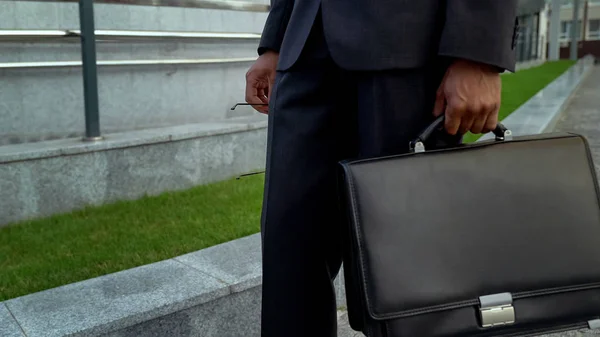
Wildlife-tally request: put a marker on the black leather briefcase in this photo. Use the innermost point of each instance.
(496, 238)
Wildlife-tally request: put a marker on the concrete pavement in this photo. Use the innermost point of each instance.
(582, 114)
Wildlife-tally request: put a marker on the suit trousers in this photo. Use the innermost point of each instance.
(319, 115)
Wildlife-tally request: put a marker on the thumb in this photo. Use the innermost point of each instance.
(440, 102)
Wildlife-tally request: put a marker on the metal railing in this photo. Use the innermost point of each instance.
(37, 35)
(90, 71)
(232, 5)
(87, 35)
(74, 35)
(66, 64)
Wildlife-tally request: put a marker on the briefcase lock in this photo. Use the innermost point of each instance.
(496, 310)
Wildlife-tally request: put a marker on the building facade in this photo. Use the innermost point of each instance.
(532, 37)
(534, 29)
(588, 28)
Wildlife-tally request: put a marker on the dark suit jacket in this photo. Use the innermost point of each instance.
(395, 34)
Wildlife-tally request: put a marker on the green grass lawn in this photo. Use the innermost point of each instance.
(46, 253)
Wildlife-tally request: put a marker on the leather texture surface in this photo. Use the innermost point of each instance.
(431, 232)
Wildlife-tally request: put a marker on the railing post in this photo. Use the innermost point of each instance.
(90, 75)
(554, 45)
(575, 30)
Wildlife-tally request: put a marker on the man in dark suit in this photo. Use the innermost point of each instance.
(357, 78)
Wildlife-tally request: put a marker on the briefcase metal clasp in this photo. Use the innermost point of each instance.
(495, 316)
(496, 310)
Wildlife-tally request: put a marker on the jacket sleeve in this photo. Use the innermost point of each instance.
(481, 30)
(275, 26)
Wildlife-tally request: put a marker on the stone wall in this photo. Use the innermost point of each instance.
(45, 178)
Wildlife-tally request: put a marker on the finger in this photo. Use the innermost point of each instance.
(252, 97)
(466, 123)
(474, 112)
(251, 92)
(257, 104)
(440, 102)
(262, 108)
(478, 124)
(481, 124)
(262, 96)
(454, 114)
(491, 122)
(264, 100)
(452, 123)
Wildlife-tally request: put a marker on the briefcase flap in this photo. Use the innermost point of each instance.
(438, 230)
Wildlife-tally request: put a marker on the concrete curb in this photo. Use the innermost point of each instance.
(69, 147)
(211, 292)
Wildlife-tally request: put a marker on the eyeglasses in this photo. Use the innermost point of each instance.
(253, 173)
(238, 104)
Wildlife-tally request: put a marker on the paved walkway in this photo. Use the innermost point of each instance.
(344, 329)
(582, 115)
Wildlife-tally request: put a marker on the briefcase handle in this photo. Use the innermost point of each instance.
(417, 145)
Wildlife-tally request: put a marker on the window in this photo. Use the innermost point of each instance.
(565, 29)
(594, 29)
(565, 26)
